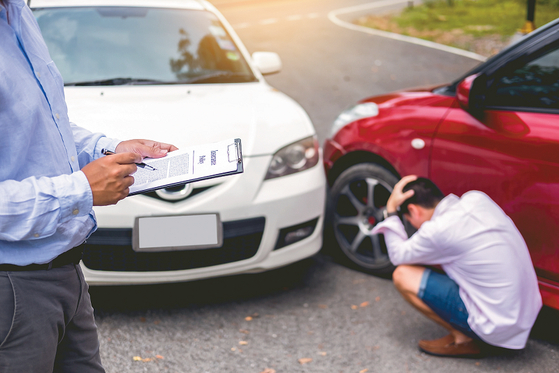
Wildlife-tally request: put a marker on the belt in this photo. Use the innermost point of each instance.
(71, 256)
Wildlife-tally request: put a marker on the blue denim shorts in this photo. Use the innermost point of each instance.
(441, 294)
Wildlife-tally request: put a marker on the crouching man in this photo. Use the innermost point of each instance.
(489, 292)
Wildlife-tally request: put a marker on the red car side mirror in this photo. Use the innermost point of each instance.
(463, 92)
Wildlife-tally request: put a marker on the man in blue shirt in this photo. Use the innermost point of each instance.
(52, 174)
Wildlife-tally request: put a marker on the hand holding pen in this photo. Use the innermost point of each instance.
(141, 164)
(110, 178)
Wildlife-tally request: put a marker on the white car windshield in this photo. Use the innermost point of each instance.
(136, 45)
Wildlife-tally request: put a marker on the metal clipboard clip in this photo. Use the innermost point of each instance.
(234, 152)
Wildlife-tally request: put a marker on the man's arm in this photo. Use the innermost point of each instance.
(420, 248)
(89, 144)
(397, 197)
(34, 207)
(110, 177)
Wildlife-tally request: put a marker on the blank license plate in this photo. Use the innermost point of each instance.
(177, 232)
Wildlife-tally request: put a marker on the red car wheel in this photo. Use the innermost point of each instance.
(356, 204)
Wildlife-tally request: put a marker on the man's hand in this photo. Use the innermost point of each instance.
(109, 177)
(397, 197)
(145, 148)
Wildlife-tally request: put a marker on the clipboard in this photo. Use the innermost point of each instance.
(188, 165)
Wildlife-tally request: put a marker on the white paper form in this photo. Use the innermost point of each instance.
(191, 164)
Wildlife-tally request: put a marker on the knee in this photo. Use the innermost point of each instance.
(405, 277)
(399, 276)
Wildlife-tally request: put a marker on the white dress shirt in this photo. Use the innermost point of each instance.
(480, 248)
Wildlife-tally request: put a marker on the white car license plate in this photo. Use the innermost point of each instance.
(177, 232)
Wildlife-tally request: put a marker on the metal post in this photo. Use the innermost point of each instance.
(530, 14)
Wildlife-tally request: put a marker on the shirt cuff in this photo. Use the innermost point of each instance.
(392, 223)
(105, 143)
(77, 198)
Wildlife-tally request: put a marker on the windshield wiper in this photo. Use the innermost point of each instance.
(213, 77)
(117, 81)
(222, 77)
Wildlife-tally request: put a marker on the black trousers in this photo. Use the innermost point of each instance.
(47, 323)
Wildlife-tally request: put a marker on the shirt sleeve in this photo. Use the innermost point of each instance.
(89, 145)
(34, 207)
(420, 248)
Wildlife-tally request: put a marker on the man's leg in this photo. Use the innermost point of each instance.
(31, 319)
(38, 310)
(410, 281)
(79, 349)
(407, 280)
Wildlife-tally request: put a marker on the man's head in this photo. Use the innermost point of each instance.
(421, 205)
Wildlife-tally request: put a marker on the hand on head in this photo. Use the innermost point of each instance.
(398, 197)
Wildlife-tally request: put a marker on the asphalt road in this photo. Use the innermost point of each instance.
(336, 318)
(327, 67)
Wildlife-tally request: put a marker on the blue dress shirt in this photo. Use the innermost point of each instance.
(45, 200)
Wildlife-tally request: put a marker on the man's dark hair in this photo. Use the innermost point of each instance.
(426, 194)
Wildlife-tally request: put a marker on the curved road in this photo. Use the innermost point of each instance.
(328, 67)
(314, 316)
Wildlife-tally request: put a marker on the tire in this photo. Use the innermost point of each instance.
(356, 203)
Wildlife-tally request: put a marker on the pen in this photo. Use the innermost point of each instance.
(142, 164)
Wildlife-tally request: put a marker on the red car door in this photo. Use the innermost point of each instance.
(510, 150)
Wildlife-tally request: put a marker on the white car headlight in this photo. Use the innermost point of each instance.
(295, 157)
(364, 110)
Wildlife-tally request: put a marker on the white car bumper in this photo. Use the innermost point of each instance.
(277, 203)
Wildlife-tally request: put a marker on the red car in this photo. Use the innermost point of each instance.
(496, 129)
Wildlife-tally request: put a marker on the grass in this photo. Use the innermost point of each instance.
(481, 26)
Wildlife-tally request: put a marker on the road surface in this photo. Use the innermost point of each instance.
(314, 316)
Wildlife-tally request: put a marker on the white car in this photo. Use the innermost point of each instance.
(175, 71)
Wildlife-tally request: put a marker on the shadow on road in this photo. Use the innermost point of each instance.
(546, 327)
(201, 292)
(222, 290)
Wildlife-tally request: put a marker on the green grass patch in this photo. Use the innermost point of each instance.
(475, 17)
(480, 26)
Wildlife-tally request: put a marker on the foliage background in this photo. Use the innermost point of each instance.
(481, 26)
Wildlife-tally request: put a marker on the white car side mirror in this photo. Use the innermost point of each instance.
(267, 62)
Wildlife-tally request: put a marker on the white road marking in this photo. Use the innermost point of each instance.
(242, 25)
(333, 16)
(268, 21)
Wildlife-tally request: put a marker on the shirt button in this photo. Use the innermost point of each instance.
(38, 75)
(72, 158)
(36, 235)
(75, 212)
(57, 116)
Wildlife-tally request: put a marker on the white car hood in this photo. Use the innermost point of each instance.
(264, 119)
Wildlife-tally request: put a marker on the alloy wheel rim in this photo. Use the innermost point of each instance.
(353, 231)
